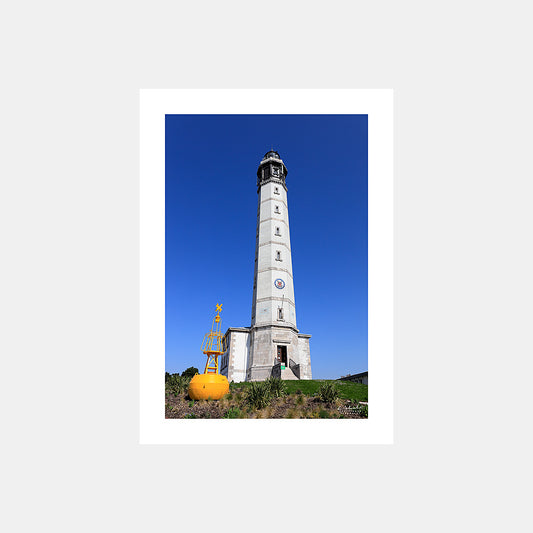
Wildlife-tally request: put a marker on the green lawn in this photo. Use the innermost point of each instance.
(347, 389)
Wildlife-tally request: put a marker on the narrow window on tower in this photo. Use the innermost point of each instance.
(280, 313)
(276, 190)
(276, 209)
(277, 231)
(278, 256)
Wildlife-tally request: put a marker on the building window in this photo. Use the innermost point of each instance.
(276, 190)
(278, 256)
(280, 313)
(277, 231)
(276, 209)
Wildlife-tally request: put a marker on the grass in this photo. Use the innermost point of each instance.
(347, 389)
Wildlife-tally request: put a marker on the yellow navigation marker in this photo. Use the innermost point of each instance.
(211, 384)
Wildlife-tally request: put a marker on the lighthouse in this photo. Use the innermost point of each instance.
(274, 337)
(272, 345)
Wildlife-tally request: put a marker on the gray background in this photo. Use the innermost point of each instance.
(69, 220)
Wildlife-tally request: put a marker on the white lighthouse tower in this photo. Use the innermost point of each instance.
(272, 345)
(276, 346)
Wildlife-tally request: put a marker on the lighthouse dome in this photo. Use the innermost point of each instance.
(271, 168)
(270, 154)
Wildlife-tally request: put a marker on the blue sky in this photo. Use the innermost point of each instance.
(211, 207)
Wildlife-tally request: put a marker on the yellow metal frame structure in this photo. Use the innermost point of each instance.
(210, 384)
(213, 344)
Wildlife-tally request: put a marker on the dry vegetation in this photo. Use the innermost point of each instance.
(266, 400)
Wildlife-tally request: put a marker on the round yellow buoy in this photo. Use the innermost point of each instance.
(205, 386)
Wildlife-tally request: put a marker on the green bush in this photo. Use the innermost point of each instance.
(234, 412)
(277, 387)
(258, 394)
(328, 392)
(190, 415)
(190, 372)
(177, 384)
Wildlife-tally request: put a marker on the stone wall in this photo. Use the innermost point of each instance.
(305, 356)
(264, 342)
(234, 361)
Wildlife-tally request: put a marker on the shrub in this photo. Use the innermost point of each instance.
(176, 384)
(323, 414)
(185, 383)
(190, 415)
(190, 372)
(277, 387)
(328, 392)
(258, 394)
(233, 412)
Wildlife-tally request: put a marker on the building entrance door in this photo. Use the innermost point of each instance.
(282, 355)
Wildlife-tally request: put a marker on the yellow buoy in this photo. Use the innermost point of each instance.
(205, 386)
(210, 384)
